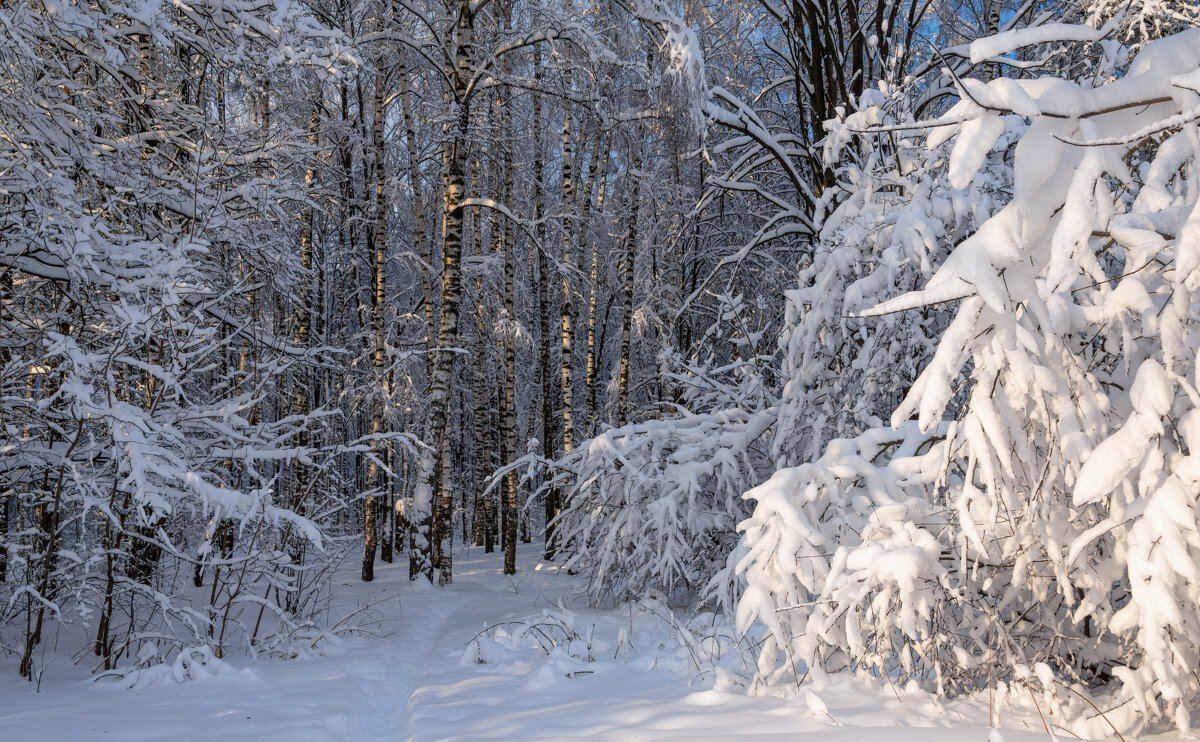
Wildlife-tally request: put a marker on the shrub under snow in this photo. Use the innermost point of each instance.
(1049, 533)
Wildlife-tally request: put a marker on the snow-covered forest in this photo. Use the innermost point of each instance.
(843, 343)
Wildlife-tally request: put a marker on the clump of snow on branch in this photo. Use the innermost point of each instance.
(684, 91)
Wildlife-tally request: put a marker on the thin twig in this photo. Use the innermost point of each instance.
(1093, 705)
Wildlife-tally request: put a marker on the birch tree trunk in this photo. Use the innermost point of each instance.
(479, 395)
(454, 163)
(554, 497)
(375, 475)
(542, 284)
(508, 424)
(599, 183)
(627, 260)
(418, 518)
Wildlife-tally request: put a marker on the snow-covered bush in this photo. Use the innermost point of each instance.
(1046, 531)
(653, 505)
(896, 218)
(842, 559)
(646, 635)
(151, 669)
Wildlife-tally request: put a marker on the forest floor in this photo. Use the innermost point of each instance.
(491, 657)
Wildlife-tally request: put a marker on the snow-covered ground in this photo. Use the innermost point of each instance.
(492, 657)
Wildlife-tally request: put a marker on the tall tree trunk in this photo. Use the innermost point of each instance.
(508, 418)
(553, 496)
(630, 252)
(544, 293)
(454, 163)
(479, 394)
(301, 379)
(599, 183)
(6, 285)
(375, 474)
(420, 519)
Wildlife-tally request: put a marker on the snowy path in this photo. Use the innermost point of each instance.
(420, 681)
(386, 683)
